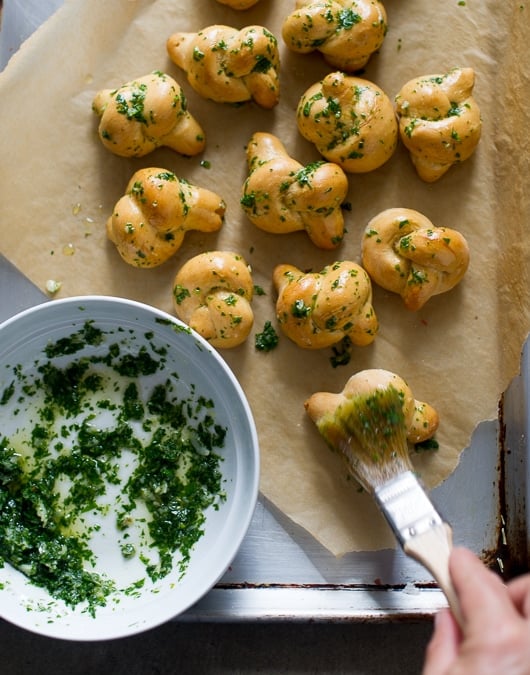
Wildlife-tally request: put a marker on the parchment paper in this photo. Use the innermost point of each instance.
(58, 186)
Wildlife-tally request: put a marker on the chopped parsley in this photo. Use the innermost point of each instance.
(94, 428)
(303, 177)
(299, 309)
(341, 354)
(262, 64)
(347, 19)
(267, 340)
(429, 445)
(131, 102)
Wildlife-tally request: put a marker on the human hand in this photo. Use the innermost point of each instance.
(495, 637)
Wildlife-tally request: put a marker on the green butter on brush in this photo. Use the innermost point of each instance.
(369, 430)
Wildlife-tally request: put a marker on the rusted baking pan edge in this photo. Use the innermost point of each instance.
(316, 604)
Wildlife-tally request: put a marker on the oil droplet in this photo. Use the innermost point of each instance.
(68, 249)
(76, 208)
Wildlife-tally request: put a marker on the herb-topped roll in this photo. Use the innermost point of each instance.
(405, 253)
(227, 65)
(145, 114)
(318, 309)
(439, 121)
(350, 120)
(212, 293)
(238, 4)
(345, 32)
(281, 195)
(149, 222)
(421, 419)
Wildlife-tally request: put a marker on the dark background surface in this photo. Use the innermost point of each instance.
(226, 649)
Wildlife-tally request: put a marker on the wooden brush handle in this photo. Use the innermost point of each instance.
(432, 548)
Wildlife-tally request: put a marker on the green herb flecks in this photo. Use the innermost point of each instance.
(299, 309)
(103, 446)
(347, 18)
(131, 103)
(268, 339)
(263, 64)
(304, 176)
(87, 335)
(341, 354)
(35, 545)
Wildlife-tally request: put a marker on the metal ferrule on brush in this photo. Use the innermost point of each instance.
(406, 506)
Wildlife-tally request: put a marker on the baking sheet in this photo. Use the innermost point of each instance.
(458, 354)
(281, 573)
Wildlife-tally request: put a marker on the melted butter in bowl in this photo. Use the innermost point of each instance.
(130, 458)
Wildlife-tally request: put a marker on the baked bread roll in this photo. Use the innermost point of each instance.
(346, 32)
(147, 113)
(317, 310)
(228, 65)
(439, 121)
(149, 222)
(212, 293)
(405, 253)
(281, 195)
(421, 419)
(238, 4)
(351, 121)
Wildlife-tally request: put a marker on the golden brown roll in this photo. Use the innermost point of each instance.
(281, 195)
(405, 253)
(421, 419)
(346, 32)
(149, 222)
(145, 114)
(229, 65)
(351, 121)
(319, 309)
(212, 293)
(238, 4)
(439, 121)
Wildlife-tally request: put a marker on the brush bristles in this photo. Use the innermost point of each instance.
(370, 432)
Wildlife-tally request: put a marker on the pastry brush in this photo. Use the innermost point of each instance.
(369, 430)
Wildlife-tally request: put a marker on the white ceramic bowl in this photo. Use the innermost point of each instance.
(201, 373)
